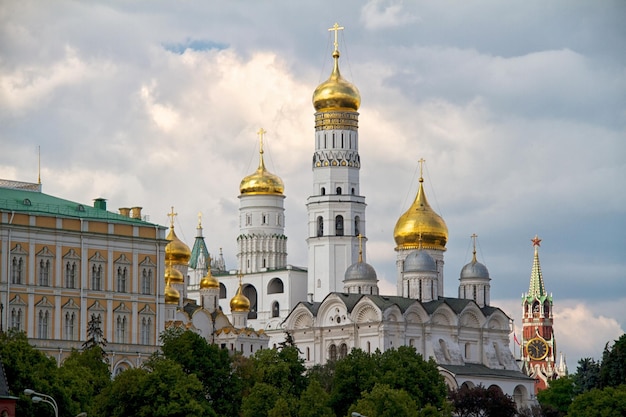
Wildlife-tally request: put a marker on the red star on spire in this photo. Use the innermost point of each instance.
(536, 241)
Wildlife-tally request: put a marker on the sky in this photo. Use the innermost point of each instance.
(518, 108)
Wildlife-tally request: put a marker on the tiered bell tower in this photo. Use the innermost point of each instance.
(336, 210)
(538, 342)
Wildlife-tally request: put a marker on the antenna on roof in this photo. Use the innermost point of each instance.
(39, 164)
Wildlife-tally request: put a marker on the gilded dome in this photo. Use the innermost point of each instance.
(262, 181)
(420, 220)
(240, 302)
(176, 251)
(336, 93)
(171, 294)
(209, 281)
(174, 276)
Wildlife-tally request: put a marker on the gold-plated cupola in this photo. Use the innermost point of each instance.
(261, 181)
(176, 252)
(240, 303)
(336, 93)
(420, 220)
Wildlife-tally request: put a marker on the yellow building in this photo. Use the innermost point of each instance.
(62, 263)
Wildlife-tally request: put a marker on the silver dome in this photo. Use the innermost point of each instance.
(419, 261)
(360, 271)
(474, 270)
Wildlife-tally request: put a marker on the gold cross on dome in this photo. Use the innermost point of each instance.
(336, 28)
(171, 215)
(261, 132)
(421, 162)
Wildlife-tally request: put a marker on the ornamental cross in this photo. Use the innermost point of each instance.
(421, 162)
(199, 219)
(336, 28)
(474, 236)
(536, 241)
(171, 215)
(261, 132)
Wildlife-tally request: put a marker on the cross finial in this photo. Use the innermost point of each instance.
(261, 132)
(336, 28)
(171, 215)
(199, 219)
(474, 236)
(421, 162)
(536, 241)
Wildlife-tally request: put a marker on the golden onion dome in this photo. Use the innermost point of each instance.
(209, 281)
(336, 93)
(172, 296)
(240, 302)
(174, 276)
(176, 251)
(420, 221)
(262, 181)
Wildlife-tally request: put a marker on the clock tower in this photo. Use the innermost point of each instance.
(538, 342)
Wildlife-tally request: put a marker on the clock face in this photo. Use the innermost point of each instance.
(537, 349)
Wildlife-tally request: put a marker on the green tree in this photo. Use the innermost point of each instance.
(314, 401)
(587, 376)
(558, 396)
(384, 401)
(281, 409)
(212, 365)
(405, 369)
(159, 389)
(95, 335)
(482, 402)
(607, 402)
(260, 401)
(354, 374)
(26, 367)
(613, 369)
(84, 375)
(283, 369)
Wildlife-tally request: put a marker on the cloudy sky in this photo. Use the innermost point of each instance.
(518, 108)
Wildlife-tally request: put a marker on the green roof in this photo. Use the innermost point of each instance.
(38, 203)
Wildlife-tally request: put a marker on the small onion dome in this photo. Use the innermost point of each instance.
(420, 261)
(239, 302)
(176, 251)
(262, 181)
(209, 281)
(360, 271)
(171, 295)
(336, 93)
(474, 270)
(174, 276)
(420, 220)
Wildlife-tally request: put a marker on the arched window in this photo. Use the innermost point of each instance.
(357, 225)
(320, 226)
(338, 190)
(343, 351)
(44, 272)
(42, 328)
(323, 190)
(96, 277)
(339, 225)
(250, 292)
(352, 191)
(70, 318)
(120, 329)
(275, 309)
(121, 279)
(222, 290)
(146, 326)
(70, 275)
(275, 286)
(16, 319)
(444, 349)
(332, 353)
(17, 270)
(146, 281)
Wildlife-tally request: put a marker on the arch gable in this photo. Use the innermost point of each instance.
(444, 315)
(366, 311)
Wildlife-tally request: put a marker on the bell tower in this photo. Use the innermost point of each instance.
(538, 342)
(336, 210)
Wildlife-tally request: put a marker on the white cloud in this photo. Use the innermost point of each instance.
(382, 14)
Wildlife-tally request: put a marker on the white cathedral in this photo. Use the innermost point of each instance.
(333, 305)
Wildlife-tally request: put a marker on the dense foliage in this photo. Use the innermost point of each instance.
(191, 377)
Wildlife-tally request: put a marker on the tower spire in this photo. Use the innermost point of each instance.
(474, 236)
(536, 288)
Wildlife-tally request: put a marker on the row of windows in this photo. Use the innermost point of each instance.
(336, 140)
(70, 328)
(265, 219)
(338, 191)
(71, 275)
(339, 226)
